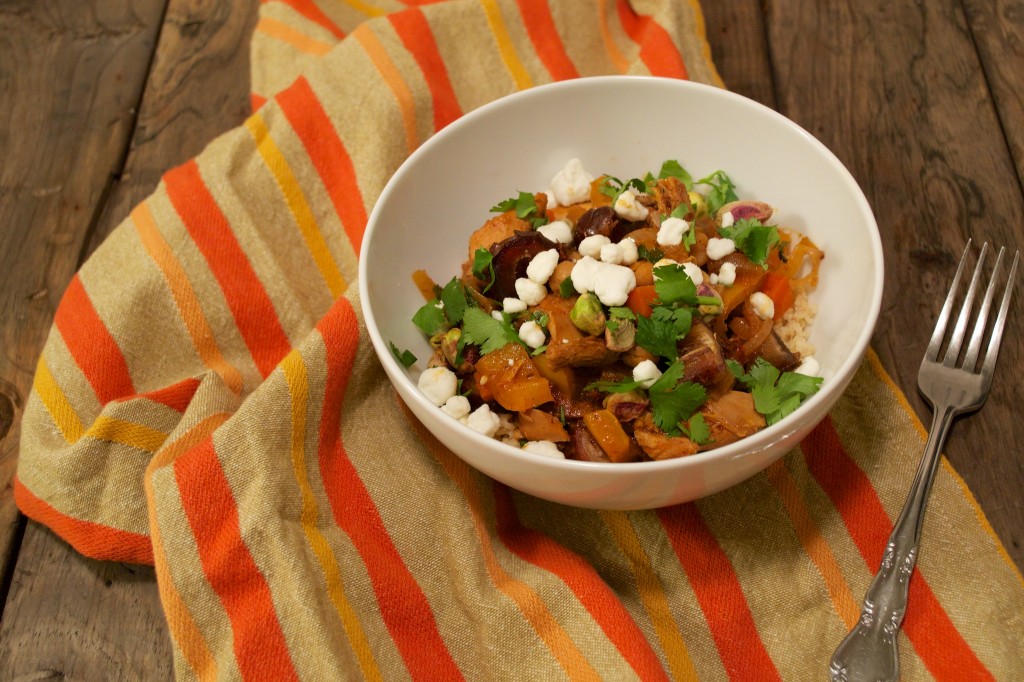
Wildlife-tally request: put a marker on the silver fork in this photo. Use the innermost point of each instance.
(953, 387)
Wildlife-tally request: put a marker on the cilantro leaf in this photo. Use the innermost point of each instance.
(480, 328)
(673, 401)
(483, 267)
(776, 394)
(721, 192)
(455, 300)
(697, 430)
(659, 332)
(430, 318)
(624, 386)
(525, 206)
(566, 288)
(649, 255)
(673, 285)
(621, 313)
(672, 169)
(405, 357)
(612, 187)
(752, 238)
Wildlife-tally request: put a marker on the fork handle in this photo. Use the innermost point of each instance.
(869, 652)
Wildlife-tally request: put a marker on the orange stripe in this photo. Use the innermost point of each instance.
(530, 604)
(579, 576)
(250, 305)
(177, 396)
(540, 26)
(616, 56)
(285, 33)
(311, 11)
(657, 51)
(209, 505)
(328, 155)
(927, 625)
(92, 345)
(185, 297)
(187, 635)
(414, 31)
(719, 593)
(91, 539)
(391, 75)
(403, 606)
(814, 544)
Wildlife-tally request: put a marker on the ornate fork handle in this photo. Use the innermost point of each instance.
(869, 652)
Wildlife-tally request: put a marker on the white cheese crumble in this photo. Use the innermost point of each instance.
(646, 372)
(726, 275)
(558, 231)
(496, 314)
(571, 185)
(513, 305)
(482, 420)
(810, 367)
(530, 292)
(611, 283)
(627, 251)
(694, 272)
(671, 231)
(438, 384)
(531, 334)
(457, 406)
(542, 265)
(727, 219)
(611, 253)
(628, 208)
(592, 245)
(719, 248)
(763, 305)
(544, 447)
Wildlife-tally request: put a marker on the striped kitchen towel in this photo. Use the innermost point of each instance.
(207, 401)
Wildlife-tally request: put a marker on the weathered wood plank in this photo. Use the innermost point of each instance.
(736, 33)
(71, 80)
(897, 91)
(66, 615)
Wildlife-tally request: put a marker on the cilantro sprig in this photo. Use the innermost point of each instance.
(490, 334)
(776, 394)
(697, 430)
(721, 192)
(752, 238)
(674, 400)
(483, 267)
(525, 206)
(405, 357)
(611, 186)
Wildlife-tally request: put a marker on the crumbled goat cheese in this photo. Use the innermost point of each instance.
(457, 406)
(627, 207)
(647, 372)
(592, 245)
(720, 248)
(544, 447)
(571, 185)
(726, 275)
(542, 265)
(763, 305)
(496, 314)
(438, 384)
(530, 292)
(531, 334)
(727, 219)
(611, 253)
(694, 272)
(513, 305)
(610, 283)
(557, 231)
(671, 231)
(810, 367)
(482, 420)
(627, 249)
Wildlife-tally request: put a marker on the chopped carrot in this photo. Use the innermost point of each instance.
(777, 288)
(509, 377)
(610, 435)
(640, 299)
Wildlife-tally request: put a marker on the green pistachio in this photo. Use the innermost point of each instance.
(588, 315)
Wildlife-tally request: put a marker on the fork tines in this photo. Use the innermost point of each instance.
(979, 331)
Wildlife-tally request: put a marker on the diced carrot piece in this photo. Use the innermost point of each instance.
(777, 288)
(509, 376)
(746, 283)
(640, 299)
(610, 435)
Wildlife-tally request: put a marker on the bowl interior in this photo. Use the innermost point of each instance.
(622, 126)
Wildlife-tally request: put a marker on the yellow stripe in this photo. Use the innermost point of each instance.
(876, 365)
(297, 204)
(186, 634)
(126, 433)
(367, 9)
(505, 47)
(652, 594)
(285, 33)
(298, 387)
(705, 48)
(378, 54)
(814, 543)
(56, 403)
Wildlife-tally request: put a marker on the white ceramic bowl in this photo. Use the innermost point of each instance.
(623, 126)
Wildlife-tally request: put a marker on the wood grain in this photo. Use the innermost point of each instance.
(73, 74)
(910, 114)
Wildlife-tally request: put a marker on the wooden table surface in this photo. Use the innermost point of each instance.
(921, 100)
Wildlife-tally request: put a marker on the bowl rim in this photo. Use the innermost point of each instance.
(760, 441)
